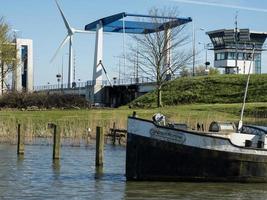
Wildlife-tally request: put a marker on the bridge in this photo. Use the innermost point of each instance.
(113, 94)
(117, 92)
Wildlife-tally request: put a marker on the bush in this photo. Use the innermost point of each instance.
(42, 100)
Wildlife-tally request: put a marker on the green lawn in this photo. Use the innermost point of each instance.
(209, 89)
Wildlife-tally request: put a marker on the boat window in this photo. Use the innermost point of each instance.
(248, 143)
(255, 130)
(226, 126)
(260, 144)
(221, 127)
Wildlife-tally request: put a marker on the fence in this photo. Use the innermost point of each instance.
(77, 85)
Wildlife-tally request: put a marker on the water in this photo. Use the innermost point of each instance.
(36, 176)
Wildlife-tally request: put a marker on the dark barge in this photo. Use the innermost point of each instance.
(169, 153)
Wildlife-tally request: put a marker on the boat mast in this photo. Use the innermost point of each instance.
(240, 124)
(236, 43)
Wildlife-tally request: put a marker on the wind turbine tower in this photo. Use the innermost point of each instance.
(70, 33)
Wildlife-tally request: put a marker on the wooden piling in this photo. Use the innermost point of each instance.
(99, 147)
(56, 141)
(21, 139)
(114, 134)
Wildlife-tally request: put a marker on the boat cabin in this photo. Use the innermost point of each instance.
(225, 127)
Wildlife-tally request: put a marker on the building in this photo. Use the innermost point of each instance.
(233, 49)
(22, 76)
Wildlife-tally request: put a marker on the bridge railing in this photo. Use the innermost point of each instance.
(78, 85)
(129, 81)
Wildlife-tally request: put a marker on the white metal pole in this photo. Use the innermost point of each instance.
(124, 54)
(70, 71)
(97, 71)
(240, 124)
(194, 47)
(62, 71)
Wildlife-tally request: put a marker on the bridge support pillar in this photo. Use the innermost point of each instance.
(96, 96)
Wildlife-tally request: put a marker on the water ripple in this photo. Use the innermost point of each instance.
(36, 176)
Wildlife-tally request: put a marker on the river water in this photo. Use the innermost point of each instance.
(36, 176)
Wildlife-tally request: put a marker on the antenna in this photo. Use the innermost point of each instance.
(236, 18)
(236, 42)
(15, 33)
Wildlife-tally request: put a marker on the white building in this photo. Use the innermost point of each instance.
(22, 76)
(233, 50)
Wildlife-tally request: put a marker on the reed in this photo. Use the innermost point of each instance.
(78, 127)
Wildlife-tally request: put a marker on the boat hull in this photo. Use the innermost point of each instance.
(150, 159)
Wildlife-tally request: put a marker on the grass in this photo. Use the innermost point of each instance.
(75, 123)
(209, 89)
(187, 100)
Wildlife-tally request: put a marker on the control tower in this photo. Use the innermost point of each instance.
(233, 50)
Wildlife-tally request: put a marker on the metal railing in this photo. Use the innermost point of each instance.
(79, 85)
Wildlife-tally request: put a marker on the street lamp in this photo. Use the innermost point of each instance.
(79, 86)
(194, 45)
(62, 73)
(206, 54)
(48, 87)
(119, 76)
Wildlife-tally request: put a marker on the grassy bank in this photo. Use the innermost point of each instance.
(209, 89)
(75, 124)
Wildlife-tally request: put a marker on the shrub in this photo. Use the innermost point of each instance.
(42, 100)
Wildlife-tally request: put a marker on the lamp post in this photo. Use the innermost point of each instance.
(205, 47)
(62, 72)
(194, 45)
(48, 87)
(119, 75)
(79, 86)
(62, 64)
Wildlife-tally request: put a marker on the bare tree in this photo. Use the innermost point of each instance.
(162, 53)
(8, 52)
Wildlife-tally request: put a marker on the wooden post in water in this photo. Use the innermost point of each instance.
(21, 138)
(99, 147)
(114, 134)
(56, 141)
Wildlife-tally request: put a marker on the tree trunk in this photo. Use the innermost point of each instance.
(159, 101)
(2, 78)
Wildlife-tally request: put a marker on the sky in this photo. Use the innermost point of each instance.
(40, 21)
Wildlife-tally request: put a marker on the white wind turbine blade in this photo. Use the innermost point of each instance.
(70, 30)
(88, 32)
(67, 38)
(82, 31)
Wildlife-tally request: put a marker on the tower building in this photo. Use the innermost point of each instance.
(233, 49)
(22, 76)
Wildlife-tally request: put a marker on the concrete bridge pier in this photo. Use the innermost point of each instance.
(97, 92)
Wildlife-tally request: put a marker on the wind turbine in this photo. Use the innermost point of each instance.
(70, 32)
